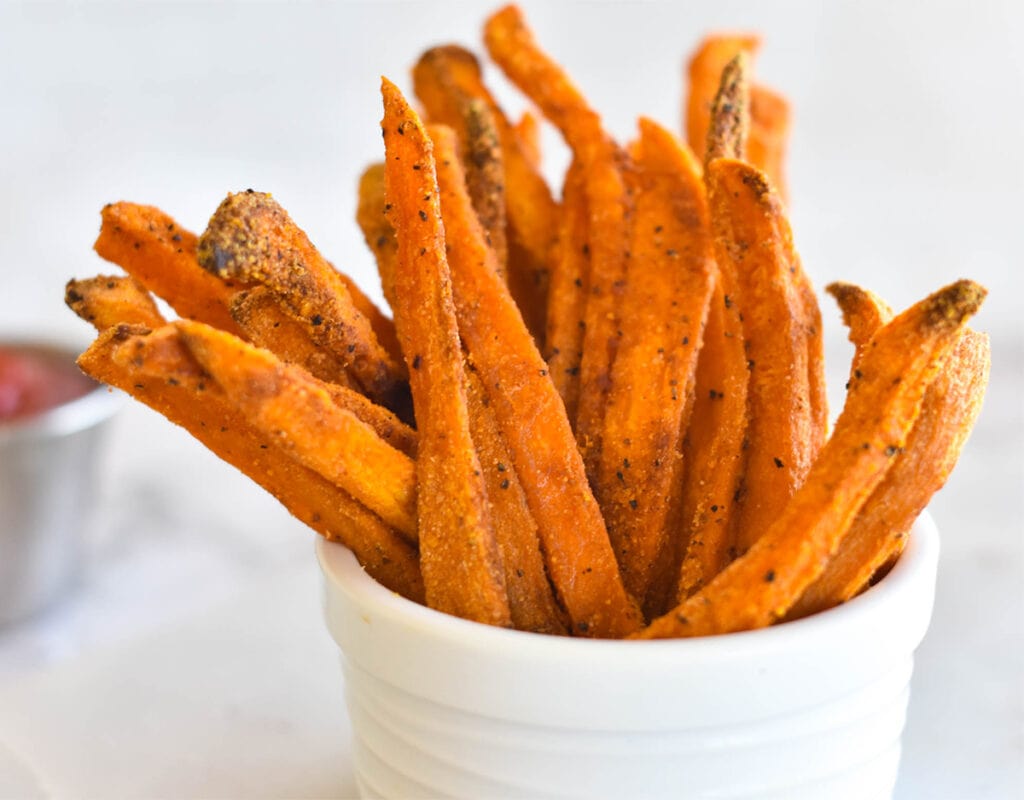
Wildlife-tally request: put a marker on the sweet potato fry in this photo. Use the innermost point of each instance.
(713, 451)
(459, 554)
(513, 47)
(447, 102)
(529, 207)
(530, 597)
(864, 313)
(158, 370)
(567, 291)
(753, 241)
(383, 326)
(878, 534)
(769, 111)
(252, 238)
(161, 255)
(652, 379)
(882, 405)
(377, 230)
(285, 404)
(267, 324)
(108, 300)
(532, 419)
(729, 127)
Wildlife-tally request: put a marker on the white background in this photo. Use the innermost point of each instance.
(906, 172)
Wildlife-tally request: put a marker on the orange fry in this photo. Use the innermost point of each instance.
(267, 324)
(882, 405)
(251, 237)
(864, 313)
(108, 300)
(513, 47)
(878, 534)
(769, 111)
(532, 419)
(158, 370)
(713, 452)
(530, 597)
(459, 554)
(452, 71)
(161, 255)
(377, 231)
(567, 292)
(652, 379)
(286, 405)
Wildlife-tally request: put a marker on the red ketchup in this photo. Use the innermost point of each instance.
(34, 378)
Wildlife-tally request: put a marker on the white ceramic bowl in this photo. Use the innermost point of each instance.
(442, 707)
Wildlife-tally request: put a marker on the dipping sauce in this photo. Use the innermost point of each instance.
(36, 378)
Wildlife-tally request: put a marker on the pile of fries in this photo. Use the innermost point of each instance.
(599, 414)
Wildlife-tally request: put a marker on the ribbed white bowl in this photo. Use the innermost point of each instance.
(441, 707)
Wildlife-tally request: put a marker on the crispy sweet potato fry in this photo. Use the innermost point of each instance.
(652, 379)
(878, 535)
(287, 405)
(864, 313)
(158, 370)
(769, 111)
(532, 419)
(567, 292)
(377, 230)
(161, 255)
(267, 324)
(252, 238)
(713, 452)
(447, 101)
(108, 300)
(459, 554)
(530, 597)
(529, 206)
(753, 241)
(729, 127)
(513, 47)
(383, 326)
(881, 407)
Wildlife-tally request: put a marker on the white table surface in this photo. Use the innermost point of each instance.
(191, 660)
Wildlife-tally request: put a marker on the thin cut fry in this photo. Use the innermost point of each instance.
(530, 597)
(652, 379)
(513, 47)
(878, 534)
(108, 300)
(769, 111)
(529, 206)
(713, 452)
(267, 324)
(161, 255)
(251, 237)
(286, 405)
(864, 312)
(377, 230)
(383, 326)
(881, 406)
(459, 554)
(729, 128)
(158, 370)
(532, 419)
(753, 241)
(567, 292)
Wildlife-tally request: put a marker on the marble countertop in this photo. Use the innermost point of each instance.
(191, 661)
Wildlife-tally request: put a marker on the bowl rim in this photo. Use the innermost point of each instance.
(343, 574)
